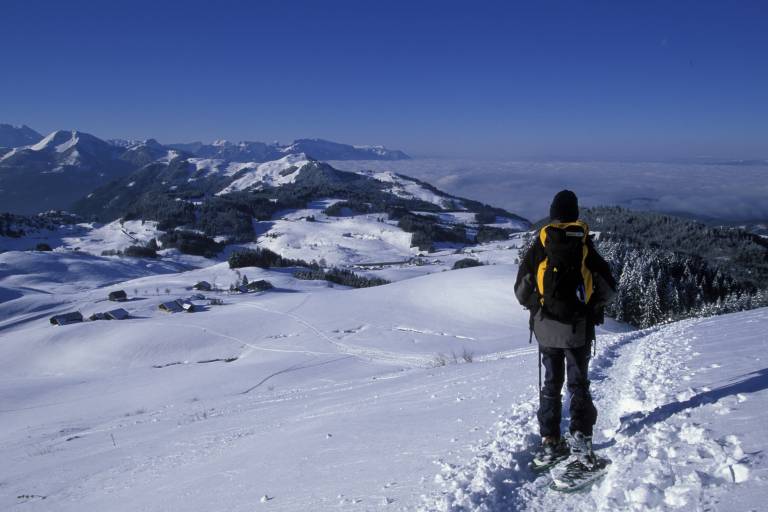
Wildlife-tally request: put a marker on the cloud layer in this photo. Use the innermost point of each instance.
(729, 193)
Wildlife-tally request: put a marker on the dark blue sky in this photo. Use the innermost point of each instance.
(624, 80)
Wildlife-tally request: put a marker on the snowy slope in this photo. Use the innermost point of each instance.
(417, 394)
(275, 173)
(337, 240)
(681, 409)
(317, 361)
(88, 237)
(403, 186)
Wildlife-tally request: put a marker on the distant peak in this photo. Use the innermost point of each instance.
(295, 158)
(57, 139)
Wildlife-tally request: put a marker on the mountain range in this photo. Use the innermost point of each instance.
(42, 173)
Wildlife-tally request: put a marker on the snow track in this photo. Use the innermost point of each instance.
(663, 458)
(414, 360)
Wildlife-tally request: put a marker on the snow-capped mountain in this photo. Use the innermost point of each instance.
(43, 173)
(57, 170)
(140, 153)
(14, 136)
(326, 150)
(199, 193)
(238, 152)
(318, 149)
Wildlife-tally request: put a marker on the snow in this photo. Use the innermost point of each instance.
(171, 155)
(403, 186)
(269, 173)
(337, 240)
(420, 394)
(678, 427)
(60, 141)
(117, 236)
(8, 154)
(90, 238)
(206, 167)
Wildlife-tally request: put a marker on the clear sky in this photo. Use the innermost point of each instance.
(538, 79)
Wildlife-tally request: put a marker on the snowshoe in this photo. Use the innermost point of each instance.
(582, 467)
(574, 475)
(550, 453)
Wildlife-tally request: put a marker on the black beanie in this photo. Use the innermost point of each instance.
(565, 207)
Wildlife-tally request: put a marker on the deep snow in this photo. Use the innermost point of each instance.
(415, 395)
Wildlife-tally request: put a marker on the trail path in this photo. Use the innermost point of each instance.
(667, 452)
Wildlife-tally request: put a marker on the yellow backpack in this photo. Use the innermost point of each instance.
(563, 281)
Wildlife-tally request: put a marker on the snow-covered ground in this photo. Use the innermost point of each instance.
(417, 394)
(370, 244)
(88, 237)
(337, 240)
(682, 409)
(275, 173)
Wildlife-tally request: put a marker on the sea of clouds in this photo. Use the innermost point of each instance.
(720, 192)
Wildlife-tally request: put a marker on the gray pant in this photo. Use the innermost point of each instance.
(557, 363)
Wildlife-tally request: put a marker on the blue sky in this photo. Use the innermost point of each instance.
(603, 80)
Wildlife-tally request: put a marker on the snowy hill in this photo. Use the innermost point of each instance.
(222, 199)
(271, 174)
(417, 394)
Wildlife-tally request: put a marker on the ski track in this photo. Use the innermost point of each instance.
(414, 360)
(658, 464)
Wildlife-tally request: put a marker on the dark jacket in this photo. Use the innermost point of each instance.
(553, 333)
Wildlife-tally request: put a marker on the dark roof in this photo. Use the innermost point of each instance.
(118, 295)
(259, 285)
(67, 318)
(117, 314)
(171, 306)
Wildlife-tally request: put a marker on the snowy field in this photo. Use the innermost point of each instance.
(415, 395)
(527, 188)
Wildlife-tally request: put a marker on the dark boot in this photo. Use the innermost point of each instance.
(551, 451)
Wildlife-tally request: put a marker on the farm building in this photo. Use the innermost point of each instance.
(115, 314)
(67, 318)
(118, 296)
(170, 307)
(260, 285)
(177, 306)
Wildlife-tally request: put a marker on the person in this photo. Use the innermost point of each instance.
(565, 284)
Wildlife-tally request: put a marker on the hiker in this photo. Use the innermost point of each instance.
(565, 284)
